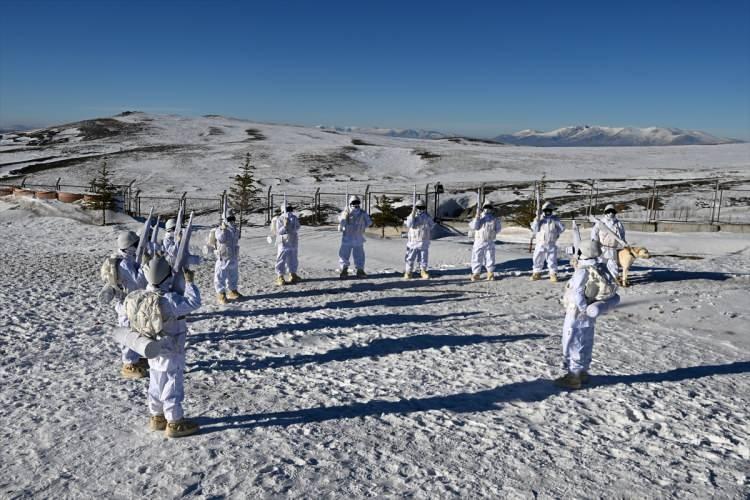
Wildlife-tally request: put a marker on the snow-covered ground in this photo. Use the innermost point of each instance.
(378, 387)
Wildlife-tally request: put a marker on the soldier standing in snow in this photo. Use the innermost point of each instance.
(485, 227)
(166, 381)
(419, 224)
(127, 276)
(170, 245)
(284, 228)
(227, 249)
(608, 242)
(352, 224)
(547, 230)
(590, 283)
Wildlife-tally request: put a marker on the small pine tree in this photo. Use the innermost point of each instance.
(244, 194)
(387, 217)
(102, 185)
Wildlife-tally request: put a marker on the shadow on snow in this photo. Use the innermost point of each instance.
(376, 348)
(528, 391)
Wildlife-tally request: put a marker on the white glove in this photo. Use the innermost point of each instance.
(269, 240)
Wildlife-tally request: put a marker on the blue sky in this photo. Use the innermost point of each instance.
(481, 69)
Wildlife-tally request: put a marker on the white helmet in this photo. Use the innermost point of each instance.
(170, 225)
(610, 207)
(589, 249)
(354, 200)
(230, 215)
(420, 204)
(548, 205)
(157, 270)
(487, 204)
(126, 239)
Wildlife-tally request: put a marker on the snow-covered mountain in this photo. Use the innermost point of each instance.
(406, 133)
(585, 135)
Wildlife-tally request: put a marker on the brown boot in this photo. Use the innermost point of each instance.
(361, 273)
(221, 298)
(344, 272)
(490, 276)
(280, 281)
(474, 277)
(294, 278)
(407, 275)
(424, 274)
(133, 371)
(553, 277)
(535, 276)
(181, 428)
(569, 381)
(157, 423)
(234, 295)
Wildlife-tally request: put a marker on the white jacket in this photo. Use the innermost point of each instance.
(284, 228)
(419, 226)
(605, 238)
(227, 242)
(353, 225)
(485, 228)
(547, 230)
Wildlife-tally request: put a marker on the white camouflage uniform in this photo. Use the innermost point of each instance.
(352, 224)
(418, 243)
(608, 242)
(285, 228)
(578, 328)
(166, 371)
(547, 230)
(485, 230)
(129, 278)
(226, 270)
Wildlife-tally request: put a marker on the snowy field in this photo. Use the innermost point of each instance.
(379, 387)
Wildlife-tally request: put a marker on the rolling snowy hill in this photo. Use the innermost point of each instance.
(585, 135)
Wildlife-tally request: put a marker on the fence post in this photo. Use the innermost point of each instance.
(713, 205)
(269, 205)
(652, 207)
(367, 199)
(316, 206)
(57, 184)
(718, 209)
(183, 203)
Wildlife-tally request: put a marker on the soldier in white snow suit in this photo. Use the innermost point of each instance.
(578, 328)
(226, 270)
(129, 278)
(608, 242)
(165, 389)
(170, 245)
(485, 227)
(420, 224)
(352, 224)
(547, 230)
(284, 228)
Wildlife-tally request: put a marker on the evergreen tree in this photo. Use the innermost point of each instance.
(102, 185)
(387, 217)
(243, 195)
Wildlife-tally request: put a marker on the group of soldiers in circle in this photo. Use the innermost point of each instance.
(178, 295)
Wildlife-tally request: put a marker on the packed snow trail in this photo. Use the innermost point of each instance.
(377, 387)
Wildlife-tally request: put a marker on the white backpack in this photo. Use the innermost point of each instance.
(600, 284)
(143, 312)
(108, 271)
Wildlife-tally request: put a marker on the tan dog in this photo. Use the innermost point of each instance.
(626, 257)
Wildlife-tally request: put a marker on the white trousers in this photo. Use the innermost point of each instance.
(226, 275)
(358, 252)
(416, 254)
(544, 252)
(129, 356)
(577, 341)
(609, 258)
(483, 255)
(286, 259)
(166, 380)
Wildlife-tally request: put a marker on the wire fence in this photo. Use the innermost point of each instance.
(701, 200)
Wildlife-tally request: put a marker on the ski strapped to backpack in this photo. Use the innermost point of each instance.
(607, 229)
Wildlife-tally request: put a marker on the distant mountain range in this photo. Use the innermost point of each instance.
(585, 135)
(408, 133)
(582, 136)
